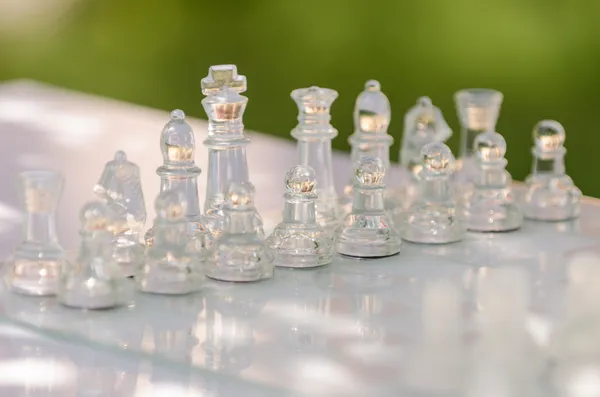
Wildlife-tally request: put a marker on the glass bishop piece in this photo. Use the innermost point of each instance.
(423, 124)
(299, 241)
(36, 263)
(240, 253)
(551, 194)
(171, 267)
(226, 142)
(368, 232)
(120, 187)
(179, 172)
(95, 280)
(372, 116)
(478, 110)
(434, 217)
(491, 206)
(314, 134)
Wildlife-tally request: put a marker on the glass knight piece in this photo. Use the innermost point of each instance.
(171, 266)
(36, 263)
(368, 231)
(491, 206)
(551, 194)
(179, 172)
(372, 116)
(478, 111)
(299, 241)
(423, 124)
(240, 253)
(95, 280)
(121, 188)
(314, 134)
(435, 216)
(226, 142)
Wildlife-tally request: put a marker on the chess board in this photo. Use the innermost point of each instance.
(350, 328)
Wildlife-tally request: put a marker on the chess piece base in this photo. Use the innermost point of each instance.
(168, 281)
(238, 259)
(432, 224)
(300, 246)
(362, 242)
(98, 300)
(33, 277)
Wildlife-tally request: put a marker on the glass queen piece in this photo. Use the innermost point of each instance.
(314, 134)
(36, 263)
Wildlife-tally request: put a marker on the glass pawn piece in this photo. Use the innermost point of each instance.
(551, 194)
(372, 115)
(240, 253)
(299, 241)
(120, 187)
(179, 172)
(423, 124)
(95, 280)
(35, 266)
(171, 266)
(478, 110)
(314, 134)
(368, 231)
(435, 216)
(491, 205)
(226, 142)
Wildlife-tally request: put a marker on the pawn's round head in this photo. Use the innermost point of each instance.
(300, 180)
(437, 159)
(369, 171)
(95, 216)
(490, 146)
(170, 205)
(549, 135)
(240, 195)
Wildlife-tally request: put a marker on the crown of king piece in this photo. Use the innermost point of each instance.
(220, 76)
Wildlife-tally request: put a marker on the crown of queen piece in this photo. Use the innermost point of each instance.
(314, 107)
(223, 104)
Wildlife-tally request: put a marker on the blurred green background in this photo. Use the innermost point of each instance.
(544, 55)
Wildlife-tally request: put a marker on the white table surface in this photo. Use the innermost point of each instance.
(347, 329)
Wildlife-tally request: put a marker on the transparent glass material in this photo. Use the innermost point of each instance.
(36, 263)
(314, 134)
(491, 206)
(368, 231)
(478, 111)
(435, 217)
(424, 123)
(299, 241)
(120, 187)
(372, 115)
(226, 142)
(171, 266)
(551, 194)
(240, 253)
(179, 172)
(95, 279)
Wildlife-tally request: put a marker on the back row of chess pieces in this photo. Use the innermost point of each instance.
(435, 205)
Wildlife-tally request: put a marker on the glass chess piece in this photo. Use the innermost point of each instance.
(120, 187)
(171, 266)
(435, 216)
(491, 205)
(240, 253)
(95, 280)
(478, 111)
(226, 142)
(299, 241)
(314, 134)
(551, 194)
(372, 116)
(35, 265)
(424, 123)
(179, 172)
(368, 231)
